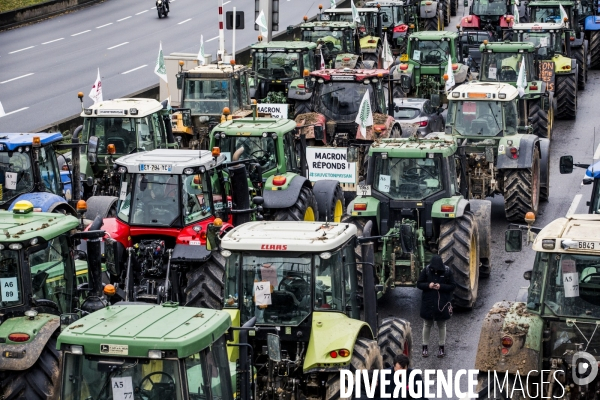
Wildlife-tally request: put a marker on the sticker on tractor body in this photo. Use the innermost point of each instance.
(10, 180)
(120, 349)
(363, 190)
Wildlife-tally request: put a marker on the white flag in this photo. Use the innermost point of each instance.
(332, 4)
(516, 13)
(364, 117)
(450, 82)
(96, 92)
(563, 14)
(522, 79)
(1, 110)
(355, 16)
(388, 57)
(201, 56)
(322, 60)
(261, 21)
(160, 69)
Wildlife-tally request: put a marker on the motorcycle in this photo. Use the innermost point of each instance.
(162, 8)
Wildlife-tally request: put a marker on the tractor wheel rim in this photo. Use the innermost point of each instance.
(338, 210)
(309, 215)
(473, 262)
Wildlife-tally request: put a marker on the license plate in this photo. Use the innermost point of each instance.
(363, 190)
(588, 245)
(155, 167)
(404, 57)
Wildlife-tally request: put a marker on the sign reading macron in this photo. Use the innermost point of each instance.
(276, 110)
(329, 163)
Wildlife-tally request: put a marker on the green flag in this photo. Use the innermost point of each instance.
(160, 69)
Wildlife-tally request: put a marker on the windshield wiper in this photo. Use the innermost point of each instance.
(496, 120)
(333, 91)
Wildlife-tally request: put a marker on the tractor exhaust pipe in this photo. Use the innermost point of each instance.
(76, 166)
(369, 296)
(95, 300)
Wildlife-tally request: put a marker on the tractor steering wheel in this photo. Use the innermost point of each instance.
(295, 284)
(262, 160)
(437, 53)
(587, 279)
(147, 394)
(414, 176)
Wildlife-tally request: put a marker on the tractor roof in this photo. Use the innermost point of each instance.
(507, 47)
(324, 25)
(484, 91)
(434, 35)
(539, 26)
(347, 74)
(568, 232)
(255, 126)
(171, 161)
(349, 10)
(122, 108)
(550, 3)
(214, 71)
(313, 237)
(284, 45)
(131, 330)
(416, 148)
(16, 227)
(385, 3)
(12, 141)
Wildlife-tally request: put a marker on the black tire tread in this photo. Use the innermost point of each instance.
(594, 49)
(539, 119)
(395, 335)
(431, 24)
(306, 198)
(338, 194)
(579, 55)
(301, 107)
(566, 96)
(518, 199)
(205, 284)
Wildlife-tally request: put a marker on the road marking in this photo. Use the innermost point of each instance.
(574, 205)
(183, 22)
(18, 77)
(12, 112)
(153, 8)
(141, 12)
(123, 19)
(597, 153)
(114, 47)
(227, 2)
(81, 33)
(102, 26)
(26, 48)
(209, 40)
(135, 69)
(52, 41)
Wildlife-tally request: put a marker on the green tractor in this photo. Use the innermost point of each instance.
(397, 19)
(502, 157)
(43, 281)
(295, 286)
(336, 42)
(422, 71)
(142, 351)
(549, 332)
(551, 41)
(501, 62)
(412, 197)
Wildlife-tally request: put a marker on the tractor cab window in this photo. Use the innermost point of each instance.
(341, 100)
(392, 15)
(308, 61)
(407, 178)
(430, 52)
(236, 95)
(15, 165)
(277, 65)
(93, 377)
(125, 134)
(206, 96)
(504, 67)
(291, 156)
(207, 374)
(543, 41)
(335, 277)
(151, 199)
(10, 279)
(244, 87)
(490, 7)
(546, 14)
(263, 149)
(49, 171)
(479, 118)
(203, 196)
(332, 40)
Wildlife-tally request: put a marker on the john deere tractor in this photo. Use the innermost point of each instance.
(44, 282)
(495, 16)
(551, 41)
(337, 42)
(412, 197)
(501, 62)
(502, 157)
(290, 287)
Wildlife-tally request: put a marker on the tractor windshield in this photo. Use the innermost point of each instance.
(335, 41)
(490, 7)
(263, 149)
(504, 67)
(549, 14)
(206, 96)
(392, 15)
(482, 118)
(407, 178)
(278, 65)
(430, 52)
(341, 100)
(17, 175)
(126, 134)
(11, 291)
(543, 41)
(572, 285)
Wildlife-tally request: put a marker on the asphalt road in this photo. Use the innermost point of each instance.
(44, 65)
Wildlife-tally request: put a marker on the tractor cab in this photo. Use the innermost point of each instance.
(549, 39)
(490, 15)
(501, 62)
(333, 39)
(179, 353)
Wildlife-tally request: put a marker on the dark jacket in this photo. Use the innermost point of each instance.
(434, 303)
(392, 387)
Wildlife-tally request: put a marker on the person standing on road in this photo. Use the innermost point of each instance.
(437, 283)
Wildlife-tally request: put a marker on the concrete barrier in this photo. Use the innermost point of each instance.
(25, 15)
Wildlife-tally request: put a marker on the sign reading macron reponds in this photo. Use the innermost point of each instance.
(276, 110)
(329, 163)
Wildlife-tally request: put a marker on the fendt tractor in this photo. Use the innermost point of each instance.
(551, 328)
(490, 15)
(502, 156)
(552, 44)
(591, 177)
(45, 281)
(423, 69)
(299, 282)
(288, 195)
(337, 42)
(501, 62)
(178, 353)
(413, 200)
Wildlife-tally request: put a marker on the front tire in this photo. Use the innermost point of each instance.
(522, 190)
(305, 208)
(395, 337)
(566, 96)
(205, 284)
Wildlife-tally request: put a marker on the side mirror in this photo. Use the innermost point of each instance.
(405, 82)
(290, 30)
(566, 164)
(466, 3)
(258, 200)
(435, 100)
(179, 81)
(92, 153)
(527, 275)
(465, 51)
(513, 240)
(441, 110)
(352, 154)
(273, 347)
(111, 254)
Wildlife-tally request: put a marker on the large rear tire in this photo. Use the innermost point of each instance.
(305, 208)
(522, 190)
(594, 49)
(301, 107)
(580, 56)
(431, 24)
(566, 96)
(41, 381)
(460, 252)
(366, 355)
(205, 284)
(539, 120)
(395, 337)
(446, 12)
(453, 7)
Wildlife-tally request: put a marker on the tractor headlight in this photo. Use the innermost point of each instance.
(155, 354)
(77, 350)
(188, 171)
(325, 255)
(548, 244)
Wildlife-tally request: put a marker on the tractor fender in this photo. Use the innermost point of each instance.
(460, 206)
(482, 210)
(324, 192)
(509, 319)
(46, 202)
(526, 146)
(428, 10)
(43, 324)
(578, 42)
(99, 205)
(592, 23)
(544, 162)
(372, 209)
(297, 93)
(285, 198)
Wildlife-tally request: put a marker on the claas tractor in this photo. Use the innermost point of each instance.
(336, 41)
(552, 45)
(294, 285)
(490, 15)
(412, 197)
(44, 283)
(549, 333)
(591, 177)
(502, 157)
(178, 353)
(501, 62)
